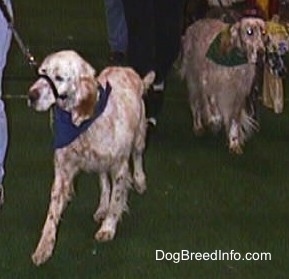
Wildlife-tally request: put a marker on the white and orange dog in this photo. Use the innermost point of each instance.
(109, 111)
(220, 75)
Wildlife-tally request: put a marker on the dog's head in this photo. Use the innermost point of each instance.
(74, 80)
(247, 34)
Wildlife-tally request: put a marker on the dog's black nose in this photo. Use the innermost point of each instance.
(33, 95)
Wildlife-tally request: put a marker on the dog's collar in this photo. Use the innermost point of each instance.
(65, 131)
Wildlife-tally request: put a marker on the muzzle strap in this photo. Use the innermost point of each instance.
(52, 86)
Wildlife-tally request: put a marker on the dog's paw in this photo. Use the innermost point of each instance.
(40, 256)
(43, 251)
(104, 235)
(99, 215)
(140, 184)
(235, 148)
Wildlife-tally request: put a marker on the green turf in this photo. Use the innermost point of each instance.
(199, 197)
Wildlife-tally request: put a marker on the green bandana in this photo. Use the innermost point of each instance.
(233, 58)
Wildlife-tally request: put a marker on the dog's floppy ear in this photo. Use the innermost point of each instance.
(85, 99)
(230, 38)
(87, 70)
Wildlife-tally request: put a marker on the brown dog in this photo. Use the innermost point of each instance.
(217, 92)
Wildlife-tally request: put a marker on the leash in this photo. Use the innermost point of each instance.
(26, 52)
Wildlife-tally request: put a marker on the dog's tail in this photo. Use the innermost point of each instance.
(148, 80)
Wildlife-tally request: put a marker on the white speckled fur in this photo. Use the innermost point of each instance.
(106, 147)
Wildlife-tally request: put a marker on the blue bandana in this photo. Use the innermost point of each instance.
(65, 131)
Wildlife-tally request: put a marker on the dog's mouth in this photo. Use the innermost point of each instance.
(33, 96)
(40, 98)
(254, 55)
(44, 83)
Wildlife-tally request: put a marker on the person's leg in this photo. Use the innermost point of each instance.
(139, 16)
(168, 24)
(5, 41)
(141, 43)
(3, 147)
(116, 28)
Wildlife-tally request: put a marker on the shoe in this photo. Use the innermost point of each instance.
(1, 195)
(152, 121)
(116, 58)
(159, 87)
(154, 102)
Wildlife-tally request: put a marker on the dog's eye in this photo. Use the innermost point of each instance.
(59, 78)
(249, 31)
(42, 71)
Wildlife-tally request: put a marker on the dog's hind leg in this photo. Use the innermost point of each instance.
(196, 106)
(102, 209)
(60, 196)
(139, 178)
(120, 185)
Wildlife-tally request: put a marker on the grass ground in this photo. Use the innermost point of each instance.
(200, 198)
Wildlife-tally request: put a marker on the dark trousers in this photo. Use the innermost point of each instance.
(154, 33)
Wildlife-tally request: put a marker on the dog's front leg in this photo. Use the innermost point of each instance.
(102, 209)
(234, 138)
(60, 196)
(120, 184)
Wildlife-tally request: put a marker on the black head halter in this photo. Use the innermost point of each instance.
(52, 86)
